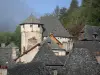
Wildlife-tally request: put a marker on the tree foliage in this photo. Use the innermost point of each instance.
(57, 11)
(78, 16)
(17, 36)
(8, 37)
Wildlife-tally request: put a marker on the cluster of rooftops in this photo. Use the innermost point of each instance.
(80, 61)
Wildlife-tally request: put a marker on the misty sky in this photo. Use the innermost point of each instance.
(13, 12)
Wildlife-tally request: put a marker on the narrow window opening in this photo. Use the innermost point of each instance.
(31, 25)
(23, 26)
(95, 35)
(38, 25)
(23, 49)
(55, 72)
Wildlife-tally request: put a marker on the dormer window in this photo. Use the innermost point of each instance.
(95, 35)
(23, 49)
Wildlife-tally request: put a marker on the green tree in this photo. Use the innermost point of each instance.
(6, 37)
(73, 6)
(57, 11)
(17, 36)
(91, 11)
(94, 13)
(67, 17)
(63, 10)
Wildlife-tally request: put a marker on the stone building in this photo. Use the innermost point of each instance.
(79, 62)
(90, 38)
(8, 54)
(34, 31)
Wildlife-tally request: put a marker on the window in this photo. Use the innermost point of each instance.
(23, 26)
(56, 53)
(38, 25)
(23, 49)
(55, 72)
(95, 35)
(31, 25)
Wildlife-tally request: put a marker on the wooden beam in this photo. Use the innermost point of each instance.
(28, 51)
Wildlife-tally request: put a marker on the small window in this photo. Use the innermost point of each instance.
(38, 25)
(56, 53)
(23, 49)
(31, 25)
(55, 72)
(23, 26)
(95, 35)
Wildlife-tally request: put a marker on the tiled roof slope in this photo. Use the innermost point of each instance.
(82, 62)
(93, 46)
(36, 68)
(88, 33)
(31, 20)
(53, 45)
(46, 56)
(53, 25)
(6, 57)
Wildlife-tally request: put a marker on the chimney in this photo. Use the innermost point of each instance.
(14, 52)
(2, 45)
(3, 70)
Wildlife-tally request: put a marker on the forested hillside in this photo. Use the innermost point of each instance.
(75, 17)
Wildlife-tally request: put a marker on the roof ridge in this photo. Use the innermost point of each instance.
(31, 20)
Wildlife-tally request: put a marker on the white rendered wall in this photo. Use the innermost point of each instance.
(14, 56)
(98, 59)
(59, 53)
(61, 39)
(3, 71)
(29, 31)
(67, 42)
(29, 56)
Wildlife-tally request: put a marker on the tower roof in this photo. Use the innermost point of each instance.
(31, 20)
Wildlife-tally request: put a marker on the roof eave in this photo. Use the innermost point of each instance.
(31, 23)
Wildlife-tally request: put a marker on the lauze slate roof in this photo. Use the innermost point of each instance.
(82, 62)
(31, 20)
(36, 68)
(6, 57)
(93, 46)
(46, 56)
(89, 33)
(53, 25)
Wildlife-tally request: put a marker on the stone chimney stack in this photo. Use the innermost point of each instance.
(3, 70)
(14, 53)
(2, 45)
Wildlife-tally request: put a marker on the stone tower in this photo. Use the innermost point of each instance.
(31, 34)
